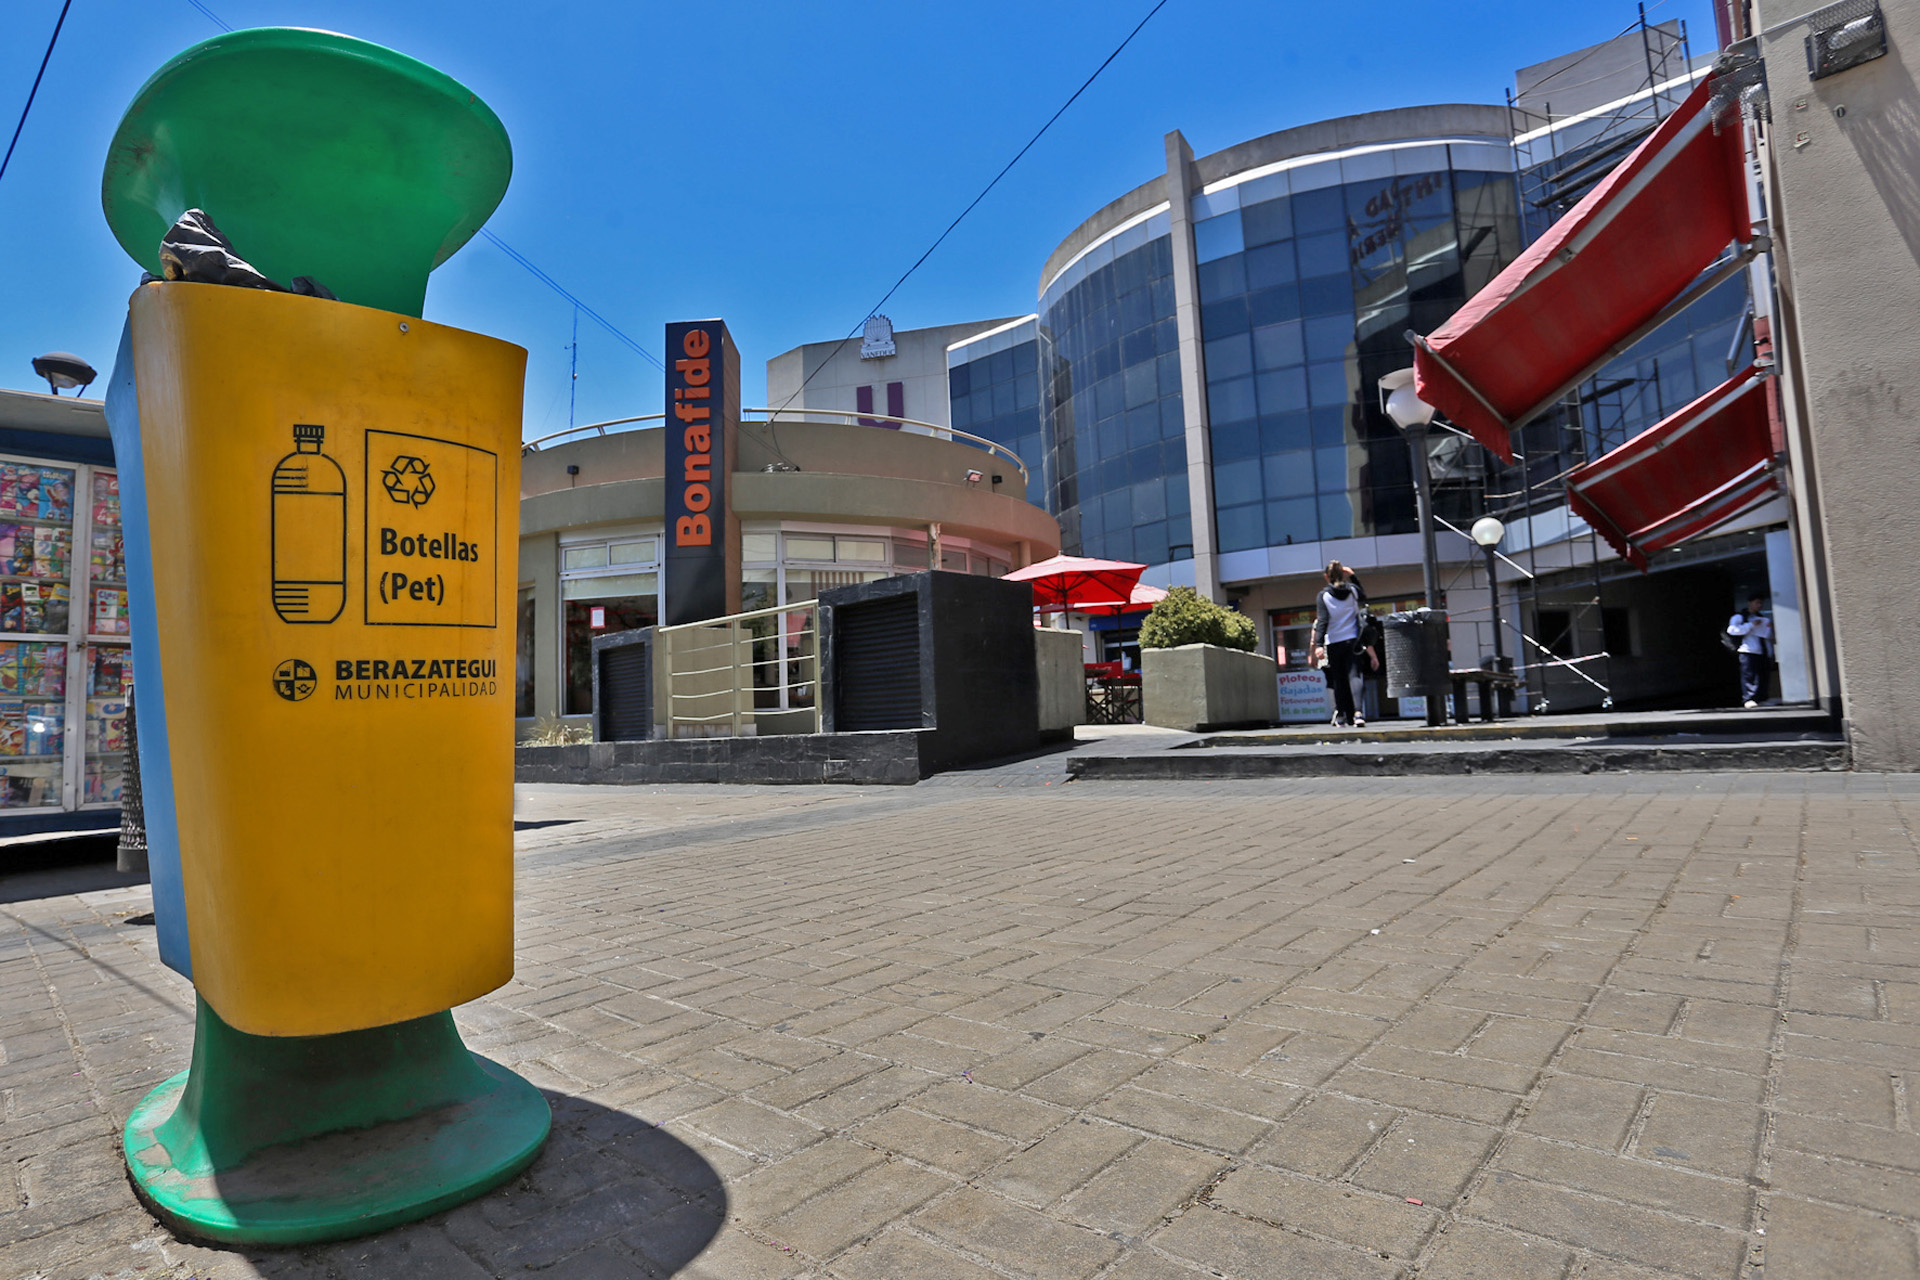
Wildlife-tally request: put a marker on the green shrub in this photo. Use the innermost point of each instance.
(1184, 618)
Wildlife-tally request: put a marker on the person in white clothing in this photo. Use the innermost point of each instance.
(1336, 627)
(1755, 631)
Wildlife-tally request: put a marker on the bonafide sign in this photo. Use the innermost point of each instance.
(701, 565)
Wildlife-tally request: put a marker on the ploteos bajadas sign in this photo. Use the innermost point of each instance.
(701, 567)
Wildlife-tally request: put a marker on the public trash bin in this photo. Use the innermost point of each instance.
(1416, 653)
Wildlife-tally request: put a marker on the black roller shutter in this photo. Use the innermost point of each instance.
(877, 664)
(626, 693)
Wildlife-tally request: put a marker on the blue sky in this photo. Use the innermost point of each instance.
(775, 164)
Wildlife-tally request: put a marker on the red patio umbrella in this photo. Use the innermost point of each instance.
(1143, 596)
(1068, 582)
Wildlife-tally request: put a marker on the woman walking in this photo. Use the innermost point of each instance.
(1336, 627)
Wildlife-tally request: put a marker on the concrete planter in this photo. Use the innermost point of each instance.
(1202, 686)
(1060, 663)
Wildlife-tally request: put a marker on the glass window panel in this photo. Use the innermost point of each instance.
(1169, 373)
(1141, 385)
(1337, 516)
(960, 411)
(1004, 400)
(1143, 425)
(1223, 277)
(1236, 440)
(809, 547)
(1217, 237)
(1325, 295)
(1330, 464)
(1180, 538)
(757, 548)
(1150, 500)
(1112, 435)
(1236, 482)
(1242, 528)
(1270, 265)
(1321, 210)
(1025, 358)
(1330, 425)
(1150, 541)
(1230, 357)
(1293, 520)
(1266, 222)
(860, 550)
(640, 552)
(1322, 255)
(959, 380)
(1218, 319)
(1136, 310)
(758, 589)
(1166, 337)
(1026, 392)
(1288, 475)
(1327, 383)
(1283, 432)
(1173, 419)
(1277, 345)
(612, 584)
(910, 555)
(1000, 365)
(1138, 348)
(1231, 401)
(594, 557)
(1328, 337)
(1179, 496)
(953, 561)
(1274, 306)
(980, 565)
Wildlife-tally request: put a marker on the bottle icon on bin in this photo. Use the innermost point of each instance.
(309, 531)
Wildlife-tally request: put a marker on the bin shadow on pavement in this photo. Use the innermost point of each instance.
(610, 1194)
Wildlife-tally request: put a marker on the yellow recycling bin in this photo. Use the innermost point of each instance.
(334, 574)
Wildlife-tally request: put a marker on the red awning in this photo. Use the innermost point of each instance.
(1683, 476)
(1595, 282)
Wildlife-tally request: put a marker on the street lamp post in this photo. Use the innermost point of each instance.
(1487, 532)
(1412, 415)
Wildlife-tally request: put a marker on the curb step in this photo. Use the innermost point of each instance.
(1222, 764)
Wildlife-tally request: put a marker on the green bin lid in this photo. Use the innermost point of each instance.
(316, 154)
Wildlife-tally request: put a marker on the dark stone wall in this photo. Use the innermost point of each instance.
(976, 659)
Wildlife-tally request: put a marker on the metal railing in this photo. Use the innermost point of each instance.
(714, 671)
(993, 447)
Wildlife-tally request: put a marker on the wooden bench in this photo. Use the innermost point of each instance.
(1488, 680)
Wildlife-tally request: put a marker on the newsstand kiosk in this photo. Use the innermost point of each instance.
(319, 492)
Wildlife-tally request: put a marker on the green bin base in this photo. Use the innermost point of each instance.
(284, 1140)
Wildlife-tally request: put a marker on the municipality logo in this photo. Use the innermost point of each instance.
(407, 481)
(295, 680)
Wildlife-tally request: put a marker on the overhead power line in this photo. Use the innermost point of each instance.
(209, 15)
(1005, 169)
(561, 289)
(46, 58)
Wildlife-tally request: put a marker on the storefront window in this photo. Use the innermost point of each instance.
(36, 548)
(598, 606)
(523, 654)
(109, 685)
(33, 709)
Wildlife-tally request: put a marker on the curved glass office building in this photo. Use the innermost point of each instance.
(1218, 403)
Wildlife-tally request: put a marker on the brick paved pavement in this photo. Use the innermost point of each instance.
(1614, 1028)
